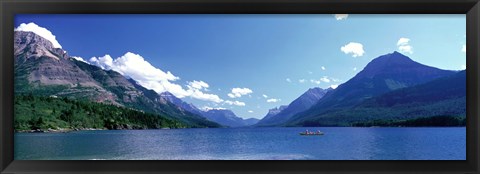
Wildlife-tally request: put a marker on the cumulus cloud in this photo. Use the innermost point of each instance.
(341, 16)
(464, 48)
(43, 32)
(354, 48)
(315, 81)
(236, 103)
(250, 111)
(404, 45)
(355, 69)
(273, 100)
(265, 96)
(288, 80)
(325, 79)
(323, 68)
(301, 80)
(464, 67)
(80, 59)
(198, 84)
(201, 95)
(207, 108)
(239, 92)
(136, 67)
(333, 86)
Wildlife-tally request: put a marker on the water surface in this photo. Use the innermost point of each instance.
(338, 143)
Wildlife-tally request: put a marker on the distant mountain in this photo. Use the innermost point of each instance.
(383, 74)
(274, 111)
(180, 103)
(305, 101)
(224, 117)
(251, 121)
(43, 70)
(221, 116)
(445, 96)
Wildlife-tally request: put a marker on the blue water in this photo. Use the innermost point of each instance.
(343, 143)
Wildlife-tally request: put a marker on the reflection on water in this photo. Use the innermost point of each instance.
(246, 144)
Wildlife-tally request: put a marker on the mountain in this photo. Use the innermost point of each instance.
(445, 96)
(224, 117)
(43, 70)
(250, 121)
(180, 103)
(221, 116)
(228, 118)
(274, 111)
(383, 74)
(164, 105)
(305, 101)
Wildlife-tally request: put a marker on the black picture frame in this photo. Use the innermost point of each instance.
(8, 8)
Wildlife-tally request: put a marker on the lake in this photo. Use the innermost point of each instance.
(338, 143)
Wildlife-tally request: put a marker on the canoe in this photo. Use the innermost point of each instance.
(303, 133)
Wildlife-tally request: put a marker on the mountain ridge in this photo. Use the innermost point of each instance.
(43, 70)
(444, 96)
(302, 103)
(383, 74)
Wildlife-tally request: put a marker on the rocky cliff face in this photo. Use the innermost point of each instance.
(41, 69)
(29, 45)
(302, 103)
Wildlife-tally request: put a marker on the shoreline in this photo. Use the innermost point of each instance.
(60, 130)
(65, 130)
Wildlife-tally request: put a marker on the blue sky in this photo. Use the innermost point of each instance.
(252, 63)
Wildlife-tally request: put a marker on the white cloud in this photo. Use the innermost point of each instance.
(250, 111)
(404, 45)
(273, 100)
(333, 86)
(315, 81)
(356, 49)
(43, 32)
(325, 79)
(80, 59)
(136, 67)
(288, 80)
(198, 84)
(310, 72)
(199, 94)
(464, 67)
(464, 48)
(207, 108)
(239, 92)
(341, 16)
(301, 80)
(355, 69)
(236, 103)
(265, 96)
(403, 41)
(323, 68)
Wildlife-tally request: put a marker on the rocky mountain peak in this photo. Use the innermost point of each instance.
(30, 45)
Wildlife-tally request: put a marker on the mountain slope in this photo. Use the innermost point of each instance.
(43, 70)
(441, 97)
(302, 103)
(224, 117)
(221, 116)
(181, 104)
(383, 74)
(272, 112)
